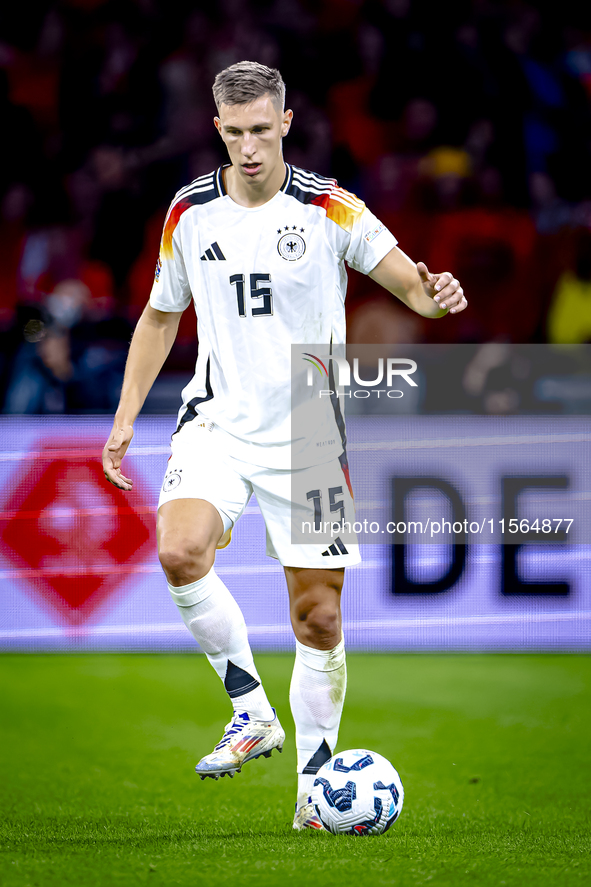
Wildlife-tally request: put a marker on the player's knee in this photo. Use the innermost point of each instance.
(321, 627)
(186, 562)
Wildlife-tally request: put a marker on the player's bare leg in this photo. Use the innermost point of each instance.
(189, 530)
(319, 679)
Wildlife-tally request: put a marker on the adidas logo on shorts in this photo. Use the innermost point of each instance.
(336, 548)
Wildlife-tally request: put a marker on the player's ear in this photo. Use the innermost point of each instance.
(286, 122)
(218, 124)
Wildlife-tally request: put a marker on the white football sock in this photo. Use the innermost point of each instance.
(305, 786)
(216, 622)
(316, 695)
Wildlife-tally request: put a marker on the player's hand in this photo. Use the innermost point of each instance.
(113, 453)
(443, 289)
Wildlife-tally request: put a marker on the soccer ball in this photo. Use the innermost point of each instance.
(357, 792)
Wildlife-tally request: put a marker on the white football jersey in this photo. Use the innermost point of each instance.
(262, 279)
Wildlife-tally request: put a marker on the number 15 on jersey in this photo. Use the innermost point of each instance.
(257, 291)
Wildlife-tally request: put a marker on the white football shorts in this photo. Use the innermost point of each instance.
(306, 503)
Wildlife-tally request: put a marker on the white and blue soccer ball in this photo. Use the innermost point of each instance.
(357, 792)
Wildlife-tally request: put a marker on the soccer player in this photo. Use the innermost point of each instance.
(260, 247)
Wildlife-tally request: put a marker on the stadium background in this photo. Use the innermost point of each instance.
(466, 127)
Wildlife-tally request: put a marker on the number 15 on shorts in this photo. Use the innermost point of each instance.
(322, 505)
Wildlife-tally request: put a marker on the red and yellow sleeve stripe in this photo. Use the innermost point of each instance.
(341, 207)
(170, 224)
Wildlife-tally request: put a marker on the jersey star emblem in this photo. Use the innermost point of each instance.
(288, 228)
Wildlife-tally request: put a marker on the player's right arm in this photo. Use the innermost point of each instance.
(151, 343)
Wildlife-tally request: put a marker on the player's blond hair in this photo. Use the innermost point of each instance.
(246, 81)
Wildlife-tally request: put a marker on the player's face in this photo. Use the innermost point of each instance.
(252, 134)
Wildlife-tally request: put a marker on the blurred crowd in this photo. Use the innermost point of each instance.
(465, 126)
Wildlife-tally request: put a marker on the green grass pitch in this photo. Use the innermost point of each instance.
(98, 787)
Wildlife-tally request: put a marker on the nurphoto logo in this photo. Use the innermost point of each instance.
(388, 371)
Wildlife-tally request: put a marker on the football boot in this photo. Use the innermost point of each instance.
(244, 739)
(306, 817)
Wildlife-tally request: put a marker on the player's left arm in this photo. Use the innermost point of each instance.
(431, 295)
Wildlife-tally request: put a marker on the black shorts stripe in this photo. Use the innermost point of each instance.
(191, 410)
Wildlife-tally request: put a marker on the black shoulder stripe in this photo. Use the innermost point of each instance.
(294, 190)
(202, 190)
(202, 183)
(197, 198)
(308, 187)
